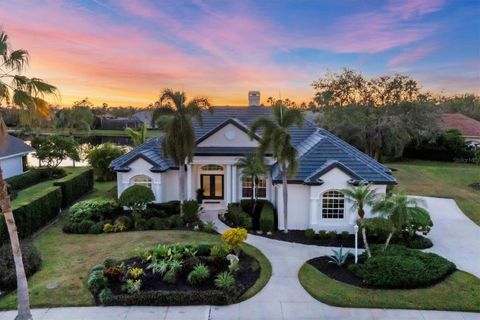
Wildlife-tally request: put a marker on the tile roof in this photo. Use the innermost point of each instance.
(468, 127)
(316, 147)
(13, 146)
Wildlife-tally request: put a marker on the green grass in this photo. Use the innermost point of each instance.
(67, 259)
(458, 292)
(441, 179)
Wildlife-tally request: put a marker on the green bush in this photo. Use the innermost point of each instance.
(30, 216)
(93, 209)
(191, 211)
(100, 158)
(378, 228)
(164, 209)
(332, 235)
(219, 251)
(309, 233)
(345, 235)
(31, 263)
(31, 177)
(74, 186)
(141, 224)
(267, 218)
(401, 267)
(238, 218)
(136, 198)
(418, 242)
(322, 234)
(84, 226)
(126, 221)
(198, 275)
(105, 295)
(96, 282)
(225, 281)
(155, 223)
(97, 228)
(176, 221)
(203, 249)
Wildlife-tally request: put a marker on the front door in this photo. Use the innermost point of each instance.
(212, 185)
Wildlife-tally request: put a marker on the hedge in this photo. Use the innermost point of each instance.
(42, 208)
(267, 218)
(31, 177)
(31, 263)
(74, 186)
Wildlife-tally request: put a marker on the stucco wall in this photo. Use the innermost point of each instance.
(11, 166)
(140, 167)
(228, 136)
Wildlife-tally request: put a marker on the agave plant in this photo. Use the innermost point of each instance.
(338, 257)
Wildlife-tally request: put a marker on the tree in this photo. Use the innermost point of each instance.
(79, 117)
(174, 117)
(27, 94)
(277, 139)
(100, 158)
(400, 211)
(138, 136)
(136, 197)
(53, 149)
(254, 168)
(360, 197)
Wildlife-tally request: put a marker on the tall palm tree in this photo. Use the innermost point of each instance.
(174, 117)
(28, 94)
(138, 136)
(254, 168)
(360, 197)
(277, 139)
(400, 210)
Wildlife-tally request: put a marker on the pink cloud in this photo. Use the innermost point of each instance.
(411, 55)
(411, 8)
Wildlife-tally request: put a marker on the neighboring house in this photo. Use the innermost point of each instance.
(144, 117)
(13, 157)
(470, 128)
(327, 164)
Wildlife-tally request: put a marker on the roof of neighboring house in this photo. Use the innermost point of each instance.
(317, 148)
(468, 127)
(144, 116)
(14, 146)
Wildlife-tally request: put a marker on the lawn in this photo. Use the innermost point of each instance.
(67, 259)
(459, 292)
(441, 179)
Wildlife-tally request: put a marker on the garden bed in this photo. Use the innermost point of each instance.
(169, 275)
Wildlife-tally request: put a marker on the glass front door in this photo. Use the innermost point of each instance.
(212, 185)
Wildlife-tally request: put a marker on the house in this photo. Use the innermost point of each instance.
(144, 117)
(13, 157)
(327, 164)
(470, 128)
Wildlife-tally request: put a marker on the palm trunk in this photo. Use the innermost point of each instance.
(23, 299)
(254, 196)
(285, 197)
(365, 242)
(389, 238)
(181, 185)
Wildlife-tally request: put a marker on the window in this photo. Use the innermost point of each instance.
(142, 181)
(261, 188)
(333, 205)
(212, 167)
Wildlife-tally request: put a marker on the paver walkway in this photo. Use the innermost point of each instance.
(284, 298)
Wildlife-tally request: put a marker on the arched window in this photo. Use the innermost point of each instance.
(212, 167)
(333, 205)
(142, 181)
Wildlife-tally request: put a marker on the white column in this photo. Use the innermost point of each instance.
(157, 190)
(228, 193)
(313, 211)
(234, 183)
(189, 181)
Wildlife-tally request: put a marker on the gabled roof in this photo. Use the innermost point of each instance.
(317, 148)
(14, 146)
(468, 127)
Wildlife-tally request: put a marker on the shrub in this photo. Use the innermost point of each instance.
(239, 218)
(108, 227)
(74, 186)
(164, 209)
(100, 158)
(31, 177)
(126, 221)
(378, 228)
(418, 242)
(176, 221)
(155, 223)
(267, 218)
(53, 149)
(96, 282)
(31, 263)
(113, 274)
(136, 198)
(135, 272)
(170, 276)
(97, 228)
(133, 286)
(210, 227)
(218, 251)
(421, 222)
(159, 267)
(332, 235)
(345, 235)
(322, 234)
(191, 210)
(234, 238)
(400, 267)
(93, 209)
(141, 224)
(119, 227)
(225, 281)
(105, 295)
(338, 257)
(198, 275)
(309, 233)
(84, 226)
(203, 250)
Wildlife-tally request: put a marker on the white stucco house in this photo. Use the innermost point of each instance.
(327, 164)
(13, 156)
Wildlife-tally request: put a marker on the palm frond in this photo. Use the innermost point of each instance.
(17, 59)
(23, 99)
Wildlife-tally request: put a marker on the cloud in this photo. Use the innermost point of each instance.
(411, 55)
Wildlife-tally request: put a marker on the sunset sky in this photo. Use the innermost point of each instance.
(123, 52)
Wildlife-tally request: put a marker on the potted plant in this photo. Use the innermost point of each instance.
(200, 195)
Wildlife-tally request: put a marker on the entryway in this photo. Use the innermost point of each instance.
(213, 186)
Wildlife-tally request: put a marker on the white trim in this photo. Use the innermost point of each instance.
(15, 155)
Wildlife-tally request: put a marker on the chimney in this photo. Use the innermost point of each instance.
(253, 98)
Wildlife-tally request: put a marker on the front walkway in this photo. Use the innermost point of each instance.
(283, 297)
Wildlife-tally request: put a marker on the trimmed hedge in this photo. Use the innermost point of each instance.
(163, 210)
(31, 216)
(236, 216)
(74, 186)
(267, 218)
(31, 177)
(31, 263)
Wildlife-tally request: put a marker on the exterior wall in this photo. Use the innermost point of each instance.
(12, 166)
(140, 167)
(298, 199)
(229, 136)
(170, 187)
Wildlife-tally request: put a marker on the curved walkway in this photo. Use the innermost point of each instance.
(284, 298)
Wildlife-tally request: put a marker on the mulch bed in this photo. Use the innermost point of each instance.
(338, 273)
(298, 236)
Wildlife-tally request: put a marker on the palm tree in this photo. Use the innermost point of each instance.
(28, 94)
(277, 139)
(174, 117)
(360, 197)
(138, 136)
(254, 168)
(400, 210)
